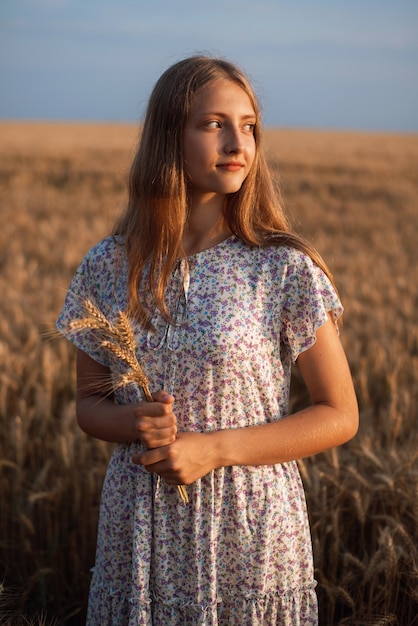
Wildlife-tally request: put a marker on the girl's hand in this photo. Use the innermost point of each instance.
(188, 458)
(155, 422)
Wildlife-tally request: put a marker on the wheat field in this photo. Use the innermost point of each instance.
(354, 196)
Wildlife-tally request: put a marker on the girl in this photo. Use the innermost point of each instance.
(224, 299)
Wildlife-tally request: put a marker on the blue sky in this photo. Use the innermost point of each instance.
(345, 64)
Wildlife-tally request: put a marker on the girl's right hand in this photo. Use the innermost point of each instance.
(155, 422)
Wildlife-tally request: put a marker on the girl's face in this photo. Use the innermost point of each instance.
(219, 144)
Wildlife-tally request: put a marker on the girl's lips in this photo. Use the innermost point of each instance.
(231, 167)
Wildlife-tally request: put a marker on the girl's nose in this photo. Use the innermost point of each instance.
(234, 142)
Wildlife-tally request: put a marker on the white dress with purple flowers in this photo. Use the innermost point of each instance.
(240, 552)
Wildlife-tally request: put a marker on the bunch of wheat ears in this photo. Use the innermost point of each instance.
(118, 338)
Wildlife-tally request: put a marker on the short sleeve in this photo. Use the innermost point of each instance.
(94, 280)
(309, 298)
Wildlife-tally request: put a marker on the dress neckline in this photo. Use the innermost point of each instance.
(211, 249)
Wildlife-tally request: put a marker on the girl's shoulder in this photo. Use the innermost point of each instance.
(285, 258)
(280, 250)
(295, 270)
(105, 251)
(284, 252)
(104, 266)
(274, 261)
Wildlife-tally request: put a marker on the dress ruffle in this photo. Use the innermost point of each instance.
(293, 607)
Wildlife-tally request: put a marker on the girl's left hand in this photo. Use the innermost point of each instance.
(182, 462)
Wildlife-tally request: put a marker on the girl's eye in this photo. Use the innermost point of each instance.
(249, 127)
(213, 124)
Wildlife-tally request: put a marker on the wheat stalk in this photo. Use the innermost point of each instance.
(119, 339)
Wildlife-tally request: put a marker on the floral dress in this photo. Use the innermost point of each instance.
(240, 552)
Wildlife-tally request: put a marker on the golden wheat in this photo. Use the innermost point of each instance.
(354, 197)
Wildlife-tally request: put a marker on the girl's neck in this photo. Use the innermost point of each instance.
(206, 226)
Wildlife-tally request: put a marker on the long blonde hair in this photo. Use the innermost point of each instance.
(157, 209)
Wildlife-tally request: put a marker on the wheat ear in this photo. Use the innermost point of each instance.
(119, 339)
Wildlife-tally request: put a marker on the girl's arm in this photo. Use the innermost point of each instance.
(330, 421)
(154, 423)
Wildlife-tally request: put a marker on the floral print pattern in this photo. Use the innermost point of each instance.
(240, 552)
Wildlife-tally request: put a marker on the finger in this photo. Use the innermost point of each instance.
(150, 457)
(158, 440)
(136, 458)
(153, 409)
(149, 426)
(152, 423)
(163, 396)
